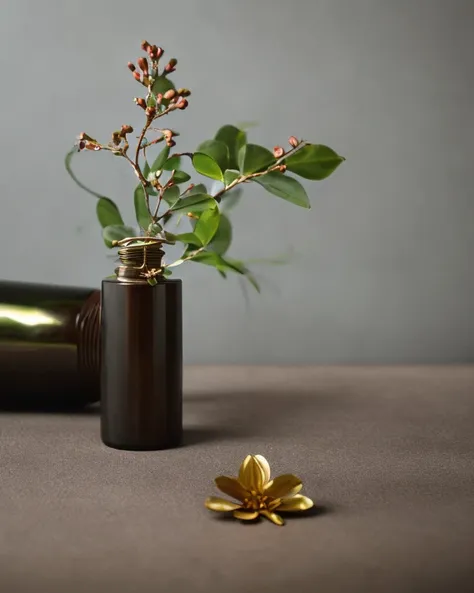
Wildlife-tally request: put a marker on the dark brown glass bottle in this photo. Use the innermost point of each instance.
(49, 345)
(141, 385)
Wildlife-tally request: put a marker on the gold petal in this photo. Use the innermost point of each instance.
(273, 517)
(251, 474)
(274, 504)
(285, 485)
(245, 515)
(265, 467)
(220, 504)
(231, 487)
(292, 492)
(296, 503)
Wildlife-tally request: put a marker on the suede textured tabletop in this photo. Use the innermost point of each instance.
(387, 454)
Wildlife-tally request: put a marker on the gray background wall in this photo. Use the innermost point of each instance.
(381, 267)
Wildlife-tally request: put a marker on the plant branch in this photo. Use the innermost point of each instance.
(245, 178)
(162, 191)
(155, 213)
(182, 260)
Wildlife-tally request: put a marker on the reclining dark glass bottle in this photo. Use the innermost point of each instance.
(49, 345)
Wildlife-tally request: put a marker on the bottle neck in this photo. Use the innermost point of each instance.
(140, 260)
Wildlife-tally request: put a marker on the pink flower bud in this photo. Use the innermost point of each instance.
(143, 64)
(145, 45)
(169, 94)
(278, 152)
(282, 168)
(131, 66)
(183, 104)
(170, 66)
(136, 76)
(159, 98)
(293, 141)
(140, 101)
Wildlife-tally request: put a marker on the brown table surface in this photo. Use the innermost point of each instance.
(386, 452)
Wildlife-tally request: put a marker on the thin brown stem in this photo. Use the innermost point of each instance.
(160, 197)
(140, 140)
(157, 116)
(244, 178)
(162, 191)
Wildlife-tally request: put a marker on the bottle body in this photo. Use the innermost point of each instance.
(49, 345)
(141, 372)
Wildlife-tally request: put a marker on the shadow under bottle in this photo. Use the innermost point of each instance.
(141, 372)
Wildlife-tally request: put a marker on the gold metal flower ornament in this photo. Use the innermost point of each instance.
(258, 495)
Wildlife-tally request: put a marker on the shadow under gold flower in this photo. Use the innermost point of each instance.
(258, 495)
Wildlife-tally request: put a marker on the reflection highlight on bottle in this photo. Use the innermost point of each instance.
(27, 316)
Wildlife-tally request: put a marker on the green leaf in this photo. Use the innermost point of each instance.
(314, 161)
(161, 85)
(285, 187)
(195, 203)
(207, 225)
(171, 195)
(222, 239)
(234, 139)
(230, 176)
(169, 238)
(251, 278)
(199, 188)
(154, 228)
(160, 160)
(151, 191)
(216, 150)
(146, 170)
(108, 213)
(172, 164)
(181, 177)
(116, 233)
(141, 211)
(242, 269)
(189, 239)
(211, 259)
(254, 158)
(207, 166)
